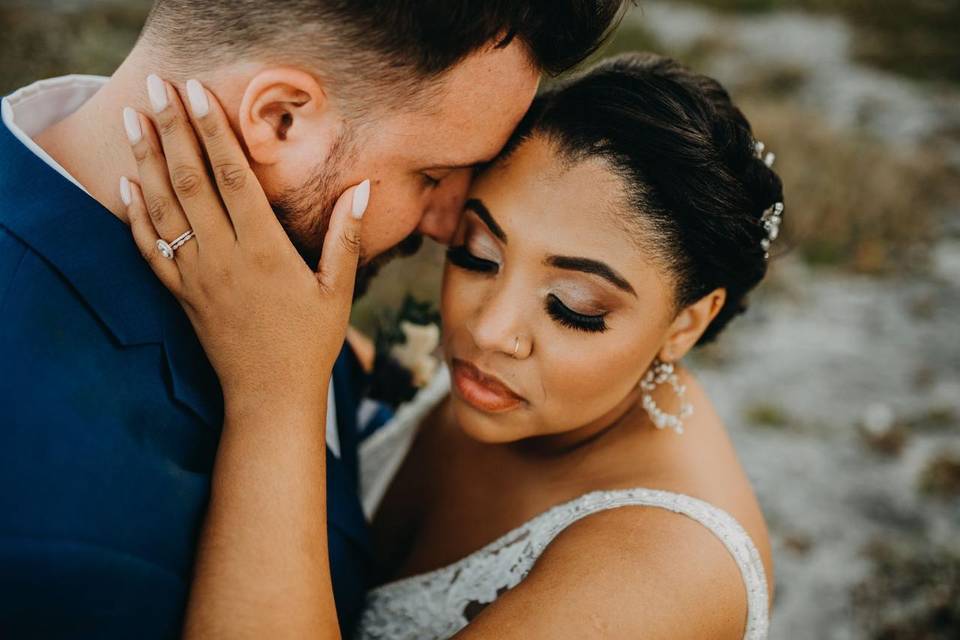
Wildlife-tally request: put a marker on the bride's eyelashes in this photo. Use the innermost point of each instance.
(567, 317)
(466, 260)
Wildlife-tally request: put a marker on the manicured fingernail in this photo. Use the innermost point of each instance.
(198, 98)
(361, 197)
(157, 91)
(125, 193)
(131, 122)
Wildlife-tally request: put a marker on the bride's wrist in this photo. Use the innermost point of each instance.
(246, 401)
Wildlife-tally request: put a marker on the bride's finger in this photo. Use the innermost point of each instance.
(247, 205)
(161, 202)
(341, 246)
(187, 168)
(145, 236)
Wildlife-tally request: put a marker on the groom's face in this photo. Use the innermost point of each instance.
(418, 159)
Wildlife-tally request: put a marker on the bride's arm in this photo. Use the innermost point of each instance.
(272, 329)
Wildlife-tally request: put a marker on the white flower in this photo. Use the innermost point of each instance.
(416, 354)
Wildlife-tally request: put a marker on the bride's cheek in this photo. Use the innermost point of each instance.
(452, 307)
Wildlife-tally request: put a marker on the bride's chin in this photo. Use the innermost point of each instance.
(480, 426)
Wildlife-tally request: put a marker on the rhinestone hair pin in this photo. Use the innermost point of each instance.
(768, 157)
(773, 216)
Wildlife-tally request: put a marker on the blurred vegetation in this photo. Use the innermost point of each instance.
(920, 38)
(851, 200)
(763, 414)
(911, 593)
(941, 476)
(41, 40)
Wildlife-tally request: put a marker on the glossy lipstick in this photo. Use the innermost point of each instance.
(482, 391)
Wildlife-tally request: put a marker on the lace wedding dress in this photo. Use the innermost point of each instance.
(440, 603)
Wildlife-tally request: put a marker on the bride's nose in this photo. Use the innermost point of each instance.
(498, 325)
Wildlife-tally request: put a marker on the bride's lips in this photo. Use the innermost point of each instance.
(481, 390)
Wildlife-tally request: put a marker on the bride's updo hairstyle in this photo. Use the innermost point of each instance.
(696, 186)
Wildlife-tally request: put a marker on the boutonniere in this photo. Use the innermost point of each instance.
(416, 354)
(411, 336)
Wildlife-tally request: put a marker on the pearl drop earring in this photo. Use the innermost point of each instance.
(663, 372)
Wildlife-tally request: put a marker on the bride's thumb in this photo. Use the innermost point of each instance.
(341, 247)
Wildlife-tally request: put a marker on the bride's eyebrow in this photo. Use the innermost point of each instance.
(593, 267)
(483, 213)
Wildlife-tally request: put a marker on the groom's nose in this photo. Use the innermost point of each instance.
(442, 214)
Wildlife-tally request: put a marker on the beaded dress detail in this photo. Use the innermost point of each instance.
(439, 603)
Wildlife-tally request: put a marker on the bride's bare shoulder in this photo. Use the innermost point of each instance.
(627, 572)
(701, 462)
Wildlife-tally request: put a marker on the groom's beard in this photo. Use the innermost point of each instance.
(304, 211)
(296, 209)
(369, 269)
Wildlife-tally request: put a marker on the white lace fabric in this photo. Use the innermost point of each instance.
(439, 603)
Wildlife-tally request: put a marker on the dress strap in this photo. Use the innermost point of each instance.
(733, 536)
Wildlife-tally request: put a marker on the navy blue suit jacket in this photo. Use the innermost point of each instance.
(109, 420)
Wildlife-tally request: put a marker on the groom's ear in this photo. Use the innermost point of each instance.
(281, 108)
(690, 324)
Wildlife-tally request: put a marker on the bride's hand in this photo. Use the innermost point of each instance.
(271, 327)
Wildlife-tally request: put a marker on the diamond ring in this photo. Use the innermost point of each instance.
(167, 249)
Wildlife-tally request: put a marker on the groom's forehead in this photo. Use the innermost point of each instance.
(475, 109)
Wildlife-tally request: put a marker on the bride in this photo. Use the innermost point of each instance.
(562, 476)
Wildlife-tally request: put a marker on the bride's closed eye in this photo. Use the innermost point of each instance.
(567, 317)
(461, 257)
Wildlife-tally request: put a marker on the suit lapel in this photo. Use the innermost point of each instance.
(343, 482)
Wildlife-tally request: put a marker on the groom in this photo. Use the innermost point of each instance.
(111, 412)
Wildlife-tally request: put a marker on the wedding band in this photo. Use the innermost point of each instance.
(167, 249)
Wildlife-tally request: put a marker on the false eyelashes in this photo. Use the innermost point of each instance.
(466, 260)
(567, 317)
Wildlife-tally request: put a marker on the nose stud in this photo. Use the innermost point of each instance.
(516, 346)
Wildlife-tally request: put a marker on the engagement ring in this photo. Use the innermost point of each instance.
(167, 249)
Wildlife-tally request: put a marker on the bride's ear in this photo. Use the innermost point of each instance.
(690, 324)
(282, 111)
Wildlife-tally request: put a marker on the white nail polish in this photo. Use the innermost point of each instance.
(125, 193)
(198, 98)
(361, 197)
(157, 91)
(131, 122)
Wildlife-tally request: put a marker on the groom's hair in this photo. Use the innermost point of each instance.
(383, 43)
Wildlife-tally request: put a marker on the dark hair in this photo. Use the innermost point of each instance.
(686, 155)
(405, 40)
